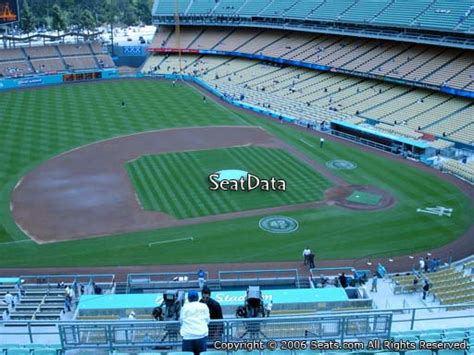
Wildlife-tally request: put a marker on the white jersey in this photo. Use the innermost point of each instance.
(194, 319)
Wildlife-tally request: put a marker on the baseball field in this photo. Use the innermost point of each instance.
(82, 184)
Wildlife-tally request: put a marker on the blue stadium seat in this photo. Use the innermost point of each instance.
(36, 346)
(18, 351)
(450, 352)
(430, 336)
(45, 351)
(418, 352)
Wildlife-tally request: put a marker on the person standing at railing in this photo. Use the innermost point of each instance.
(216, 329)
(194, 319)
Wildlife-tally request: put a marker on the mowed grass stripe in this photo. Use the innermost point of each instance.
(134, 173)
(184, 177)
(181, 179)
(306, 176)
(216, 200)
(207, 202)
(264, 167)
(175, 183)
(148, 178)
(166, 199)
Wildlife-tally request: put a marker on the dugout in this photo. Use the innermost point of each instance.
(380, 140)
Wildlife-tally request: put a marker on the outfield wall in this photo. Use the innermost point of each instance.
(54, 79)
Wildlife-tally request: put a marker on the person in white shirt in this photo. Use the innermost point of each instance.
(422, 264)
(8, 299)
(194, 319)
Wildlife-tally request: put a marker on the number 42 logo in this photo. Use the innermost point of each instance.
(438, 210)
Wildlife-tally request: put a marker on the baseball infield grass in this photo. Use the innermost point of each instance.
(39, 124)
(177, 183)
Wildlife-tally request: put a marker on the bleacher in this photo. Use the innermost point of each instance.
(314, 96)
(418, 63)
(440, 15)
(448, 286)
(43, 297)
(466, 171)
(53, 59)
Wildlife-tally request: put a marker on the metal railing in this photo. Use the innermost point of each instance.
(116, 335)
(340, 326)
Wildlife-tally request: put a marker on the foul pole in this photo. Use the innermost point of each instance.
(178, 33)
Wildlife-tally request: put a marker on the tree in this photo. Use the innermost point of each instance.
(144, 11)
(58, 20)
(87, 21)
(27, 21)
(129, 16)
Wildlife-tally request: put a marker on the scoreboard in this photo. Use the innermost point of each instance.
(9, 11)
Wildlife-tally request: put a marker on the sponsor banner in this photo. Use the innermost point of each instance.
(30, 81)
(132, 51)
(172, 50)
(225, 298)
(53, 79)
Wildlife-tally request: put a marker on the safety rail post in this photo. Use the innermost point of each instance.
(30, 335)
(342, 323)
(412, 323)
(109, 337)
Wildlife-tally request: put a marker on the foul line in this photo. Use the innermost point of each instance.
(170, 241)
(16, 242)
(311, 145)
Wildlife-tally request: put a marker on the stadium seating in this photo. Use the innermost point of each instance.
(413, 62)
(401, 110)
(52, 59)
(466, 171)
(440, 15)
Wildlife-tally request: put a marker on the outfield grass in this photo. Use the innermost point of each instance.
(177, 183)
(38, 124)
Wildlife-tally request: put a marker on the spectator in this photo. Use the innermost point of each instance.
(306, 253)
(8, 299)
(415, 282)
(421, 262)
(425, 267)
(194, 321)
(132, 316)
(374, 283)
(426, 289)
(201, 278)
(343, 280)
(67, 305)
(216, 329)
(311, 260)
